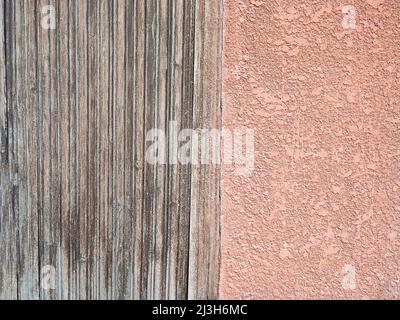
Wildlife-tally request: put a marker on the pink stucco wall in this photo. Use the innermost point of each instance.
(319, 217)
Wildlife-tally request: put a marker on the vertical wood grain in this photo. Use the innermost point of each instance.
(77, 193)
(204, 218)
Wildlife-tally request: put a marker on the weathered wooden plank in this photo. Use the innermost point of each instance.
(159, 229)
(55, 226)
(83, 186)
(175, 112)
(184, 169)
(73, 134)
(78, 195)
(148, 182)
(25, 245)
(5, 286)
(119, 288)
(9, 192)
(93, 89)
(213, 93)
(25, 214)
(43, 71)
(205, 197)
(139, 160)
(105, 151)
(3, 91)
(13, 143)
(129, 132)
(63, 21)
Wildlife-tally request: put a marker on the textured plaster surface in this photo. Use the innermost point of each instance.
(320, 215)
